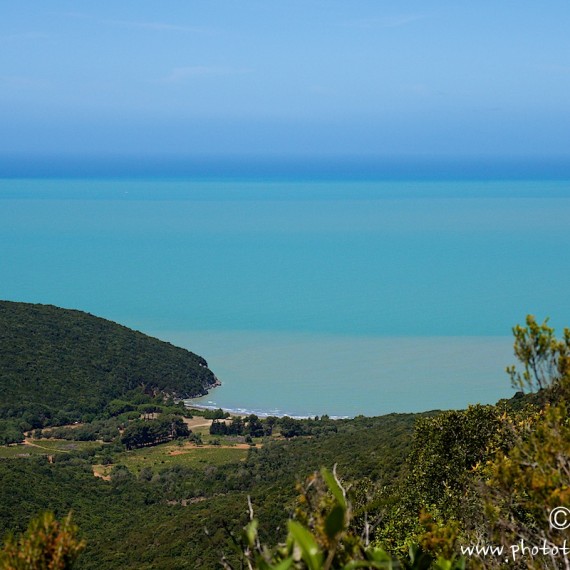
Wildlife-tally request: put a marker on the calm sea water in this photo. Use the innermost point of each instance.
(305, 297)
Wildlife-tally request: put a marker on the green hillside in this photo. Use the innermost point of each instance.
(138, 520)
(60, 361)
(413, 490)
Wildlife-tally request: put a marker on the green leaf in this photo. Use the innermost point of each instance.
(375, 558)
(251, 532)
(310, 551)
(334, 523)
(453, 564)
(379, 555)
(419, 560)
(334, 487)
(379, 565)
(284, 565)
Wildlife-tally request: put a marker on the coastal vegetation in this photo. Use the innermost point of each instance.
(154, 485)
(60, 366)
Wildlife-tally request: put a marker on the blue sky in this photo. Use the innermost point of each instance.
(296, 77)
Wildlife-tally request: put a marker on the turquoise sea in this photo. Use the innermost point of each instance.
(306, 297)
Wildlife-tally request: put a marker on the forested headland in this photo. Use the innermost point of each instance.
(151, 484)
(60, 366)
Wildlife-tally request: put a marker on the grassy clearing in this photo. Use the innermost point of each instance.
(20, 450)
(46, 447)
(170, 454)
(217, 450)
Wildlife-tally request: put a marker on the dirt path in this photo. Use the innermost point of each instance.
(197, 422)
(100, 471)
(192, 447)
(51, 449)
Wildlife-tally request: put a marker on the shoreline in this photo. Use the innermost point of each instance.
(259, 413)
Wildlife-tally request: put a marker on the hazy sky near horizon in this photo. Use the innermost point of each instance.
(303, 77)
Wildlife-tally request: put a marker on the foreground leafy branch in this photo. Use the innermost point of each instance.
(546, 359)
(46, 545)
(321, 538)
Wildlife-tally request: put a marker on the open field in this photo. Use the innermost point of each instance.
(170, 454)
(198, 424)
(35, 447)
(216, 450)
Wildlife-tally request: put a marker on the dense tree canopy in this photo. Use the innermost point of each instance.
(60, 365)
(415, 489)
